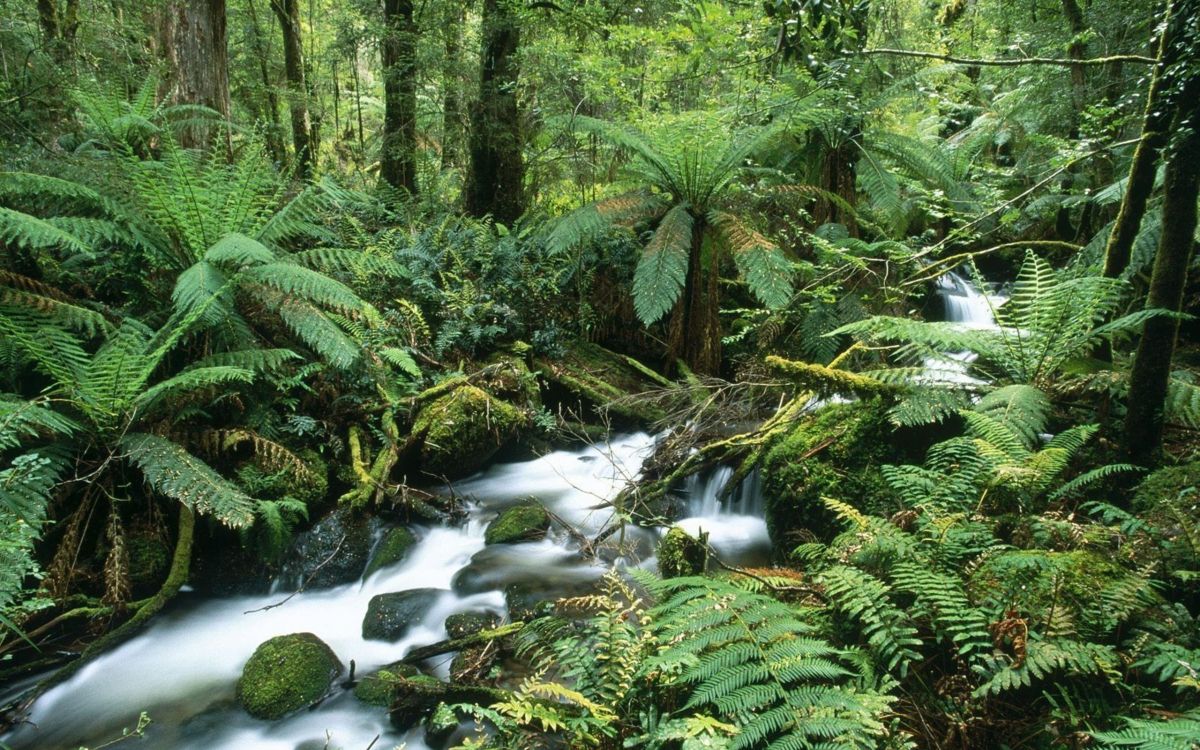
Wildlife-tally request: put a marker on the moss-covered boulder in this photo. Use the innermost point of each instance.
(681, 554)
(378, 688)
(440, 725)
(391, 549)
(835, 452)
(463, 624)
(285, 674)
(463, 429)
(525, 522)
(389, 616)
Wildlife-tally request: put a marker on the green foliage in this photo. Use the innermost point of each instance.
(1173, 733)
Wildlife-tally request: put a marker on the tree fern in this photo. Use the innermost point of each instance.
(864, 598)
(661, 272)
(179, 475)
(1172, 733)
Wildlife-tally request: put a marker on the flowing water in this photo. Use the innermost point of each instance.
(183, 670)
(967, 306)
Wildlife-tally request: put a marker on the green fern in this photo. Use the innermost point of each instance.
(1174, 733)
(864, 599)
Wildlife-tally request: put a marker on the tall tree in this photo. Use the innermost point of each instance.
(263, 54)
(1156, 122)
(1152, 363)
(398, 163)
(194, 43)
(288, 13)
(59, 25)
(495, 183)
(452, 114)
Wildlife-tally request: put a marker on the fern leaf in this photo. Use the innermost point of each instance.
(662, 269)
(179, 475)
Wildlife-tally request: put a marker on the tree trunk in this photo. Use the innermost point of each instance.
(263, 53)
(1152, 363)
(495, 184)
(398, 157)
(695, 327)
(58, 28)
(288, 13)
(194, 46)
(1076, 50)
(452, 113)
(1160, 109)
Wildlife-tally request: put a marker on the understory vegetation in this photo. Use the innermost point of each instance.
(924, 271)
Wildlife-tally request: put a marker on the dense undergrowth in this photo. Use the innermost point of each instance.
(978, 541)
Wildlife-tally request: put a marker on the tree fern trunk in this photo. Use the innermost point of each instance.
(452, 114)
(397, 163)
(1152, 363)
(274, 125)
(695, 332)
(1155, 124)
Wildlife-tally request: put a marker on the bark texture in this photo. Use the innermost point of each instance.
(398, 163)
(288, 13)
(495, 184)
(1156, 122)
(1152, 362)
(193, 38)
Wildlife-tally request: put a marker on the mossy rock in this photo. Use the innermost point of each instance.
(463, 430)
(285, 674)
(836, 452)
(389, 616)
(149, 561)
(526, 522)
(1168, 485)
(333, 552)
(511, 379)
(463, 624)
(378, 688)
(440, 725)
(681, 554)
(392, 548)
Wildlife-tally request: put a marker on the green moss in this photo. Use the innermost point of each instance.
(149, 559)
(378, 688)
(393, 548)
(680, 554)
(440, 725)
(285, 674)
(464, 429)
(836, 452)
(603, 379)
(520, 523)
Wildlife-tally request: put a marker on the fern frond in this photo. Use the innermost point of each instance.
(179, 475)
(662, 269)
(760, 261)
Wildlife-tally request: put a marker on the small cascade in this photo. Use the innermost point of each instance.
(964, 305)
(736, 524)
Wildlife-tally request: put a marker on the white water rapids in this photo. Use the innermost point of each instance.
(183, 670)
